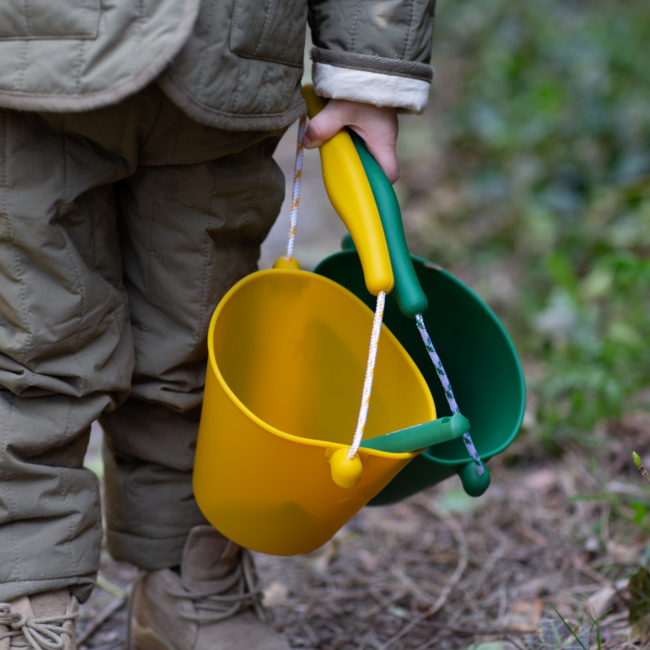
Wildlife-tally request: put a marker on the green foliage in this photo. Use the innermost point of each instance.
(625, 507)
(639, 587)
(539, 142)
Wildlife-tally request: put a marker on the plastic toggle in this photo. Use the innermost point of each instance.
(346, 472)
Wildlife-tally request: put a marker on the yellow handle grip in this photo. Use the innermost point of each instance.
(351, 196)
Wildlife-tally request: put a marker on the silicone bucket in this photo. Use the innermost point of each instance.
(287, 356)
(480, 360)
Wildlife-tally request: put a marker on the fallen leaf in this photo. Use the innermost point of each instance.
(599, 602)
(541, 481)
(530, 589)
(525, 616)
(275, 594)
(623, 554)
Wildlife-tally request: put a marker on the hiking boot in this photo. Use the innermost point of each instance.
(214, 604)
(41, 622)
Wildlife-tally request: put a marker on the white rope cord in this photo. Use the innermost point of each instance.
(381, 298)
(370, 373)
(295, 199)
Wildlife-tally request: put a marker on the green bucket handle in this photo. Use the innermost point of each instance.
(407, 291)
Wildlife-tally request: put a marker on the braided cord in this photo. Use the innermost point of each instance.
(370, 374)
(449, 393)
(381, 298)
(295, 199)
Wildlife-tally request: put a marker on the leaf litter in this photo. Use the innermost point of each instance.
(434, 572)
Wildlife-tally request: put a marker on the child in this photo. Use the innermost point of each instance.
(136, 186)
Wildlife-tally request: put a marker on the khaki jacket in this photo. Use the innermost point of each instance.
(234, 64)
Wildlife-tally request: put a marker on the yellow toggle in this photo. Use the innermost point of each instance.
(346, 472)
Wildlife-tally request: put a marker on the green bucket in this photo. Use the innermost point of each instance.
(478, 355)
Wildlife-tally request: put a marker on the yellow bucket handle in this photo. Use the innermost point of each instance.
(351, 196)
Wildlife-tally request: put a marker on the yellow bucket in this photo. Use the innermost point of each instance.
(287, 357)
(287, 360)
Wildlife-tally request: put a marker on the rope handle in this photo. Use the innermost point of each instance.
(449, 393)
(295, 199)
(370, 374)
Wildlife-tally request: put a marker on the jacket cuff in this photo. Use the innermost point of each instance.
(371, 79)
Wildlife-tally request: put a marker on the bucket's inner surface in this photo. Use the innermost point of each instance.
(293, 346)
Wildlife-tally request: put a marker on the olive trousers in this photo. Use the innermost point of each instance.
(120, 231)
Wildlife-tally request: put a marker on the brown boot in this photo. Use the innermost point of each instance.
(41, 622)
(213, 605)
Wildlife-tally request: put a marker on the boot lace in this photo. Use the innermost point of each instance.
(44, 633)
(239, 591)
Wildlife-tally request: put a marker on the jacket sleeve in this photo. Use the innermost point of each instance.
(374, 51)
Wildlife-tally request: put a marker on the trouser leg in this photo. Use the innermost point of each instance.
(65, 348)
(194, 215)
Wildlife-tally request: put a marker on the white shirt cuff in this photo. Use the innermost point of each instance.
(370, 87)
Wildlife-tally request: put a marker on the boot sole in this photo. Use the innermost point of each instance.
(144, 638)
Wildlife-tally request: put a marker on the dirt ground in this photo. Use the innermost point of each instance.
(551, 537)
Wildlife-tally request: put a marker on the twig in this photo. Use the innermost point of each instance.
(469, 629)
(459, 536)
(588, 571)
(515, 642)
(100, 619)
(111, 588)
(412, 586)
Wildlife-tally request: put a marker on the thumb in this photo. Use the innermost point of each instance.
(321, 128)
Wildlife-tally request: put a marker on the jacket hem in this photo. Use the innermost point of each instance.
(52, 103)
(210, 116)
(377, 64)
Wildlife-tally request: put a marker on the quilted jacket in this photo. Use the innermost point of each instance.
(233, 64)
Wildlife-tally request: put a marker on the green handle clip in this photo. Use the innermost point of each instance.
(420, 436)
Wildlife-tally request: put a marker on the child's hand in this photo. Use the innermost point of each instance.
(376, 125)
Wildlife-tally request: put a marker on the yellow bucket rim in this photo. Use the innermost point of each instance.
(254, 277)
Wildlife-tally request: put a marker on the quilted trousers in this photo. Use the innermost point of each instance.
(120, 231)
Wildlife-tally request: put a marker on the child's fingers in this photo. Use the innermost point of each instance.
(377, 126)
(384, 153)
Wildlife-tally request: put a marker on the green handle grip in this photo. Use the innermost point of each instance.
(420, 436)
(408, 292)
